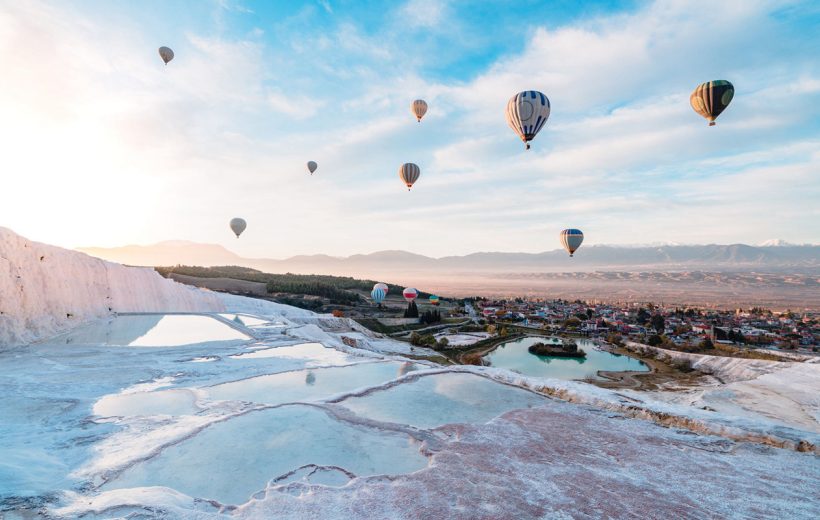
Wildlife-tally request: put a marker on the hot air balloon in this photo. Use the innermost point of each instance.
(419, 108)
(571, 239)
(166, 54)
(312, 166)
(409, 174)
(383, 286)
(238, 225)
(377, 295)
(434, 300)
(711, 98)
(410, 294)
(527, 112)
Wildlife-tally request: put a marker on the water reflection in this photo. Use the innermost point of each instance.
(244, 320)
(434, 400)
(152, 330)
(304, 385)
(213, 465)
(406, 368)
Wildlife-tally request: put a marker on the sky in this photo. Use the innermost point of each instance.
(103, 145)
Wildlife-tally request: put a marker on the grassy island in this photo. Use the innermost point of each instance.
(566, 349)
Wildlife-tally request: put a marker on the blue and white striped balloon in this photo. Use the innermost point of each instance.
(377, 295)
(527, 112)
(571, 239)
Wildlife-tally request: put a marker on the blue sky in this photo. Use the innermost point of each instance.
(106, 146)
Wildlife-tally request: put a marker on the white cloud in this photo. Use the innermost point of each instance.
(132, 151)
(424, 13)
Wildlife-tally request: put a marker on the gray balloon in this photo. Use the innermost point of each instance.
(166, 54)
(238, 225)
(312, 166)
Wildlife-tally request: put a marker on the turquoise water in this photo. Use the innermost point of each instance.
(514, 356)
(308, 385)
(231, 460)
(435, 400)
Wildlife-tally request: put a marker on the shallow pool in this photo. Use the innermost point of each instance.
(514, 356)
(152, 330)
(435, 400)
(232, 460)
(308, 385)
(245, 320)
(315, 354)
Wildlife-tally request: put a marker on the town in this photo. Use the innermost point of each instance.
(674, 327)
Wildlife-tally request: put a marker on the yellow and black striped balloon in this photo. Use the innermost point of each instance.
(409, 173)
(711, 98)
(419, 108)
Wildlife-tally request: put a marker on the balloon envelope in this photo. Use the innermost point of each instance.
(312, 166)
(711, 98)
(377, 295)
(419, 108)
(571, 239)
(166, 54)
(410, 294)
(238, 225)
(434, 299)
(527, 112)
(409, 173)
(383, 286)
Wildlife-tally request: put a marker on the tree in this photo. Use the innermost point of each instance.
(654, 340)
(658, 323)
(412, 311)
(443, 343)
(415, 339)
(682, 329)
(589, 314)
(572, 323)
(502, 332)
(706, 344)
(615, 339)
(643, 316)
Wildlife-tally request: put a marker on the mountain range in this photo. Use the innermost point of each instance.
(712, 257)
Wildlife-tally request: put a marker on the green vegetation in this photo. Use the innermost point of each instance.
(615, 339)
(428, 340)
(572, 323)
(658, 323)
(430, 317)
(338, 289)
(412, 311)
(654, 340)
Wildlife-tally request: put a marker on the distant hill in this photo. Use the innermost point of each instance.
(712, 257)
(171, 252)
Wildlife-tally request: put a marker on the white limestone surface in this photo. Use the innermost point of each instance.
(45, 290)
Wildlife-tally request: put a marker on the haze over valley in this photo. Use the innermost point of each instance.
(723, 275)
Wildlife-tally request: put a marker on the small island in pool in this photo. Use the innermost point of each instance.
(565, 349)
